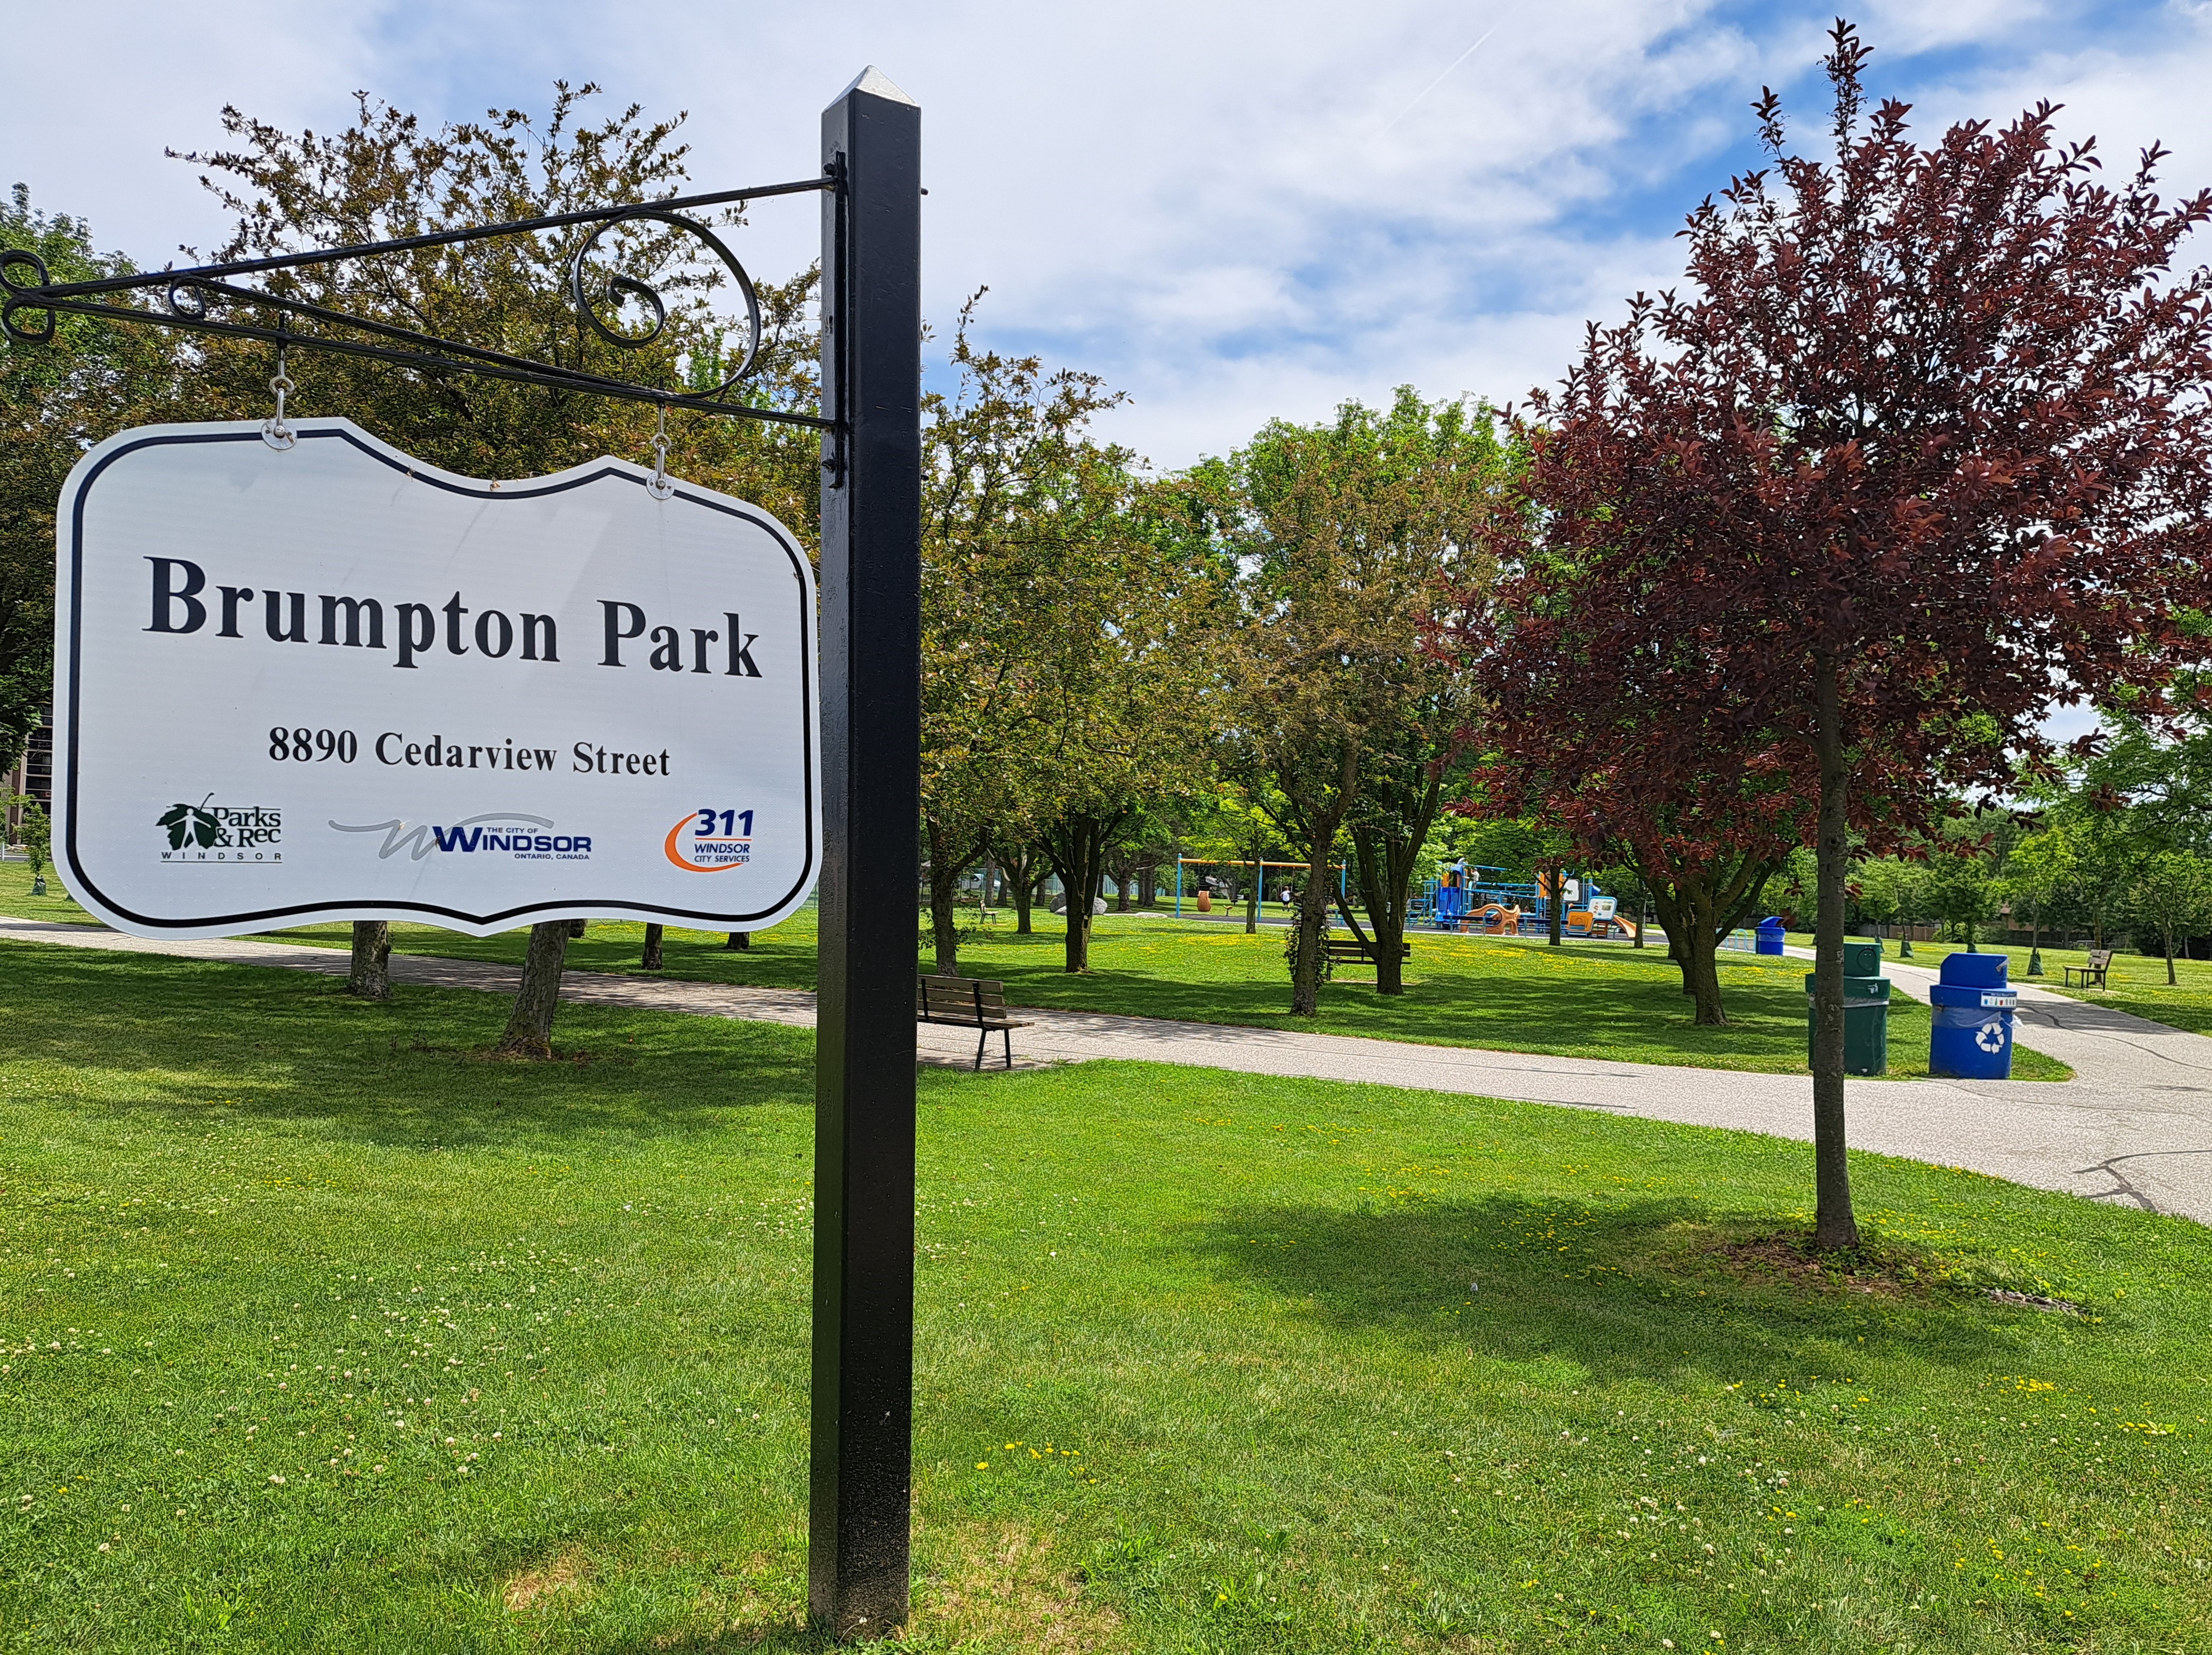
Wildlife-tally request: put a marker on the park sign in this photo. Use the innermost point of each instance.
(329, 682)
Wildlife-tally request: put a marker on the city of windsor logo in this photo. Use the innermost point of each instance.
(208, 834)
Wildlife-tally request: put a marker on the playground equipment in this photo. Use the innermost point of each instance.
(1600, 919)
(1466, 897)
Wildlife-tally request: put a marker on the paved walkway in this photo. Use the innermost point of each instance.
(2135, 1127)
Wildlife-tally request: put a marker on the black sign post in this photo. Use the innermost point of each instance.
(864, 1088)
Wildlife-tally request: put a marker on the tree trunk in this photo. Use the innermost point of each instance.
(951, 856)
(1833, 1225)
(740, 940)
(1122, 891)
(2169, 959)
(529, 1030)
(1252, 895)
(1701, 977)
(1390, 927)
(1077, 846)
(655, 936)
(1313, 922)
(1322, 825)
(1024, 872)
(944, 920)
(1695, 908)
(1310, 924)
(1384, 854)
(1685, 909)
(576, 928)
(1557, 905)
(1642, 920)
(370, 977)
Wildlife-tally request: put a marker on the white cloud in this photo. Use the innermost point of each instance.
(1233, 211)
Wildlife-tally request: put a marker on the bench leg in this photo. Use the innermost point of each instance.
(1009, 1033)
(982, 1040)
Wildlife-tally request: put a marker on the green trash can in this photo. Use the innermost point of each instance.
(1866, 1009)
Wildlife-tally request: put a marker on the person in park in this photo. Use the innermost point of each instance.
(1922, 438)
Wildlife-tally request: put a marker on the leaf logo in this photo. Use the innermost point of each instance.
(194, 822)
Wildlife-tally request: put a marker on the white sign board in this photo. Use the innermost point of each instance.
(335, 683)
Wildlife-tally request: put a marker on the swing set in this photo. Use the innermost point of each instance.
(1203, 901)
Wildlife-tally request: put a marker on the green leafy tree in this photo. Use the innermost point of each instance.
(2171, 898)
(1896, 890)
(2038, 873)
(1122, 654)
(1353, 534)
(94, 377)
(1791, 888)
(35, 833)
(1453, 468)
(1873, 899)
(1014, 494)
(1964, 894)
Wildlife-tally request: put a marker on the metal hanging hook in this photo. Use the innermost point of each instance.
(274, 432)
(658, 486)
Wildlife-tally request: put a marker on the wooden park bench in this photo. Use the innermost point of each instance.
(2093, 974)
(972, 1003)
(1355, 950)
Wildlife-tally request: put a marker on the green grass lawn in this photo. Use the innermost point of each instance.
(321, 1332)
(1583, 1000)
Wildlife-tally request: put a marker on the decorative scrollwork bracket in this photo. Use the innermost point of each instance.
(209, 299)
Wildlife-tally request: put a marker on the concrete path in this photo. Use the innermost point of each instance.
(2136, 1128)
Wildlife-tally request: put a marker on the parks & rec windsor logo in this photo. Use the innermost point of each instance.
(208, 834)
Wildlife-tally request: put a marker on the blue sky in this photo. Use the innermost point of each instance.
(1231, 211)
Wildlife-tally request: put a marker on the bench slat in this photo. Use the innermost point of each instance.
(1352, 948)
(972, 1000)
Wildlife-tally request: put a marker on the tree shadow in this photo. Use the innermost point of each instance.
(1634, 1290)
(1585, 999)
(783, 958)
(193, 1040)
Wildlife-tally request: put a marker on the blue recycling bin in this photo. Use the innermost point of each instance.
(1972, 1039)
(1770, 932)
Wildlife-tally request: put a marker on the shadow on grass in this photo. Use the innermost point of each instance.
(1627, 1292)
(190, 1039)
(773, 961)
(1568, 1001)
